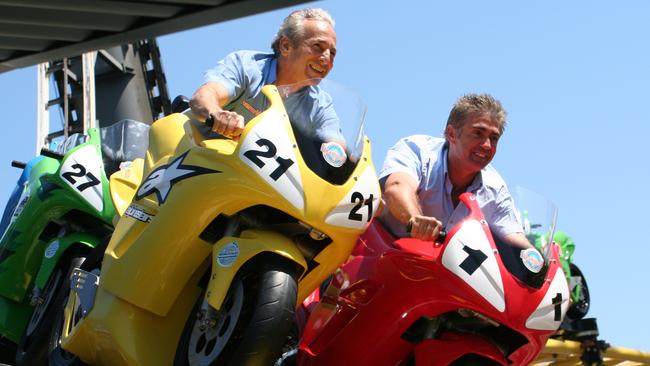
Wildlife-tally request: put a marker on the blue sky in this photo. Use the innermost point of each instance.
(574, 77)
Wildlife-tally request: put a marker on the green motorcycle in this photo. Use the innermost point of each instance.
(60, 210)
(579, 291)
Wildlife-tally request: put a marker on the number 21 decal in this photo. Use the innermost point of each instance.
(79, 171)
(359, 201)
(256, 155)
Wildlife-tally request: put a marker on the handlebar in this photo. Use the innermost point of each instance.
(442, 235)
(209, 121)
(51, 154)
(18, 164)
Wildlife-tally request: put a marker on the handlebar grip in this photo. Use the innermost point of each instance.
(51, 154)
(18, 164)
(209, 121)
(442, 235)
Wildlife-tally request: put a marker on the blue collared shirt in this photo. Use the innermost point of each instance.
(425, 159)
(244, 73)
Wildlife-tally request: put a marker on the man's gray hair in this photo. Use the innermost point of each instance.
(472, 104)
(293, 28)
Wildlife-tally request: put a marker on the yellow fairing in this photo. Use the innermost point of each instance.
(151, 268)
(124, 183)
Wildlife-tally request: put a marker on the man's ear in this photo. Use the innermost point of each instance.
(285, 46)
(450, 131)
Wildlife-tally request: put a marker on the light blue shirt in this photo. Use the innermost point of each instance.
(244, 73)
(425, 159)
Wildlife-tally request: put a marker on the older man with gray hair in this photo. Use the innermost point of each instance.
(304, 48)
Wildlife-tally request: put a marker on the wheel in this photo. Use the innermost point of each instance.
(32, 349)
(7, 351)
(251, 326)
(57, 356)
(579, 308)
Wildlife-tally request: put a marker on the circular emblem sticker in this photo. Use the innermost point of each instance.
(228, 254)
(333, 153)
(532, 260)
(51, 249)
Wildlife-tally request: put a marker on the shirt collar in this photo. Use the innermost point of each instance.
(473, 187)
(273, 70)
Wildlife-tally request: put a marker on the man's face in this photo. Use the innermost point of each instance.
(474, 146)
(313, 56)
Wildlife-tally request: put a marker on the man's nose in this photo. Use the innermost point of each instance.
(487, 143)
(327, 55)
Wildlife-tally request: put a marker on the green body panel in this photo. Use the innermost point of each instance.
(57, 248)
(22, 247)
(14, 317)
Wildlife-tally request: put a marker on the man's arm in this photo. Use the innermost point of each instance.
(517, 240)
(209, 99)
(400, 194)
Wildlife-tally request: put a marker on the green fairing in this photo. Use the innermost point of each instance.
(22, 261)
(63, 243)
(567, 248)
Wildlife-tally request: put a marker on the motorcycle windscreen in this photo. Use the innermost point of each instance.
(538, 216)
(327, 120)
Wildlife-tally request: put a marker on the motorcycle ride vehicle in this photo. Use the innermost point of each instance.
(223, 238)
(579, 291)
(466, 300)
(59, 211)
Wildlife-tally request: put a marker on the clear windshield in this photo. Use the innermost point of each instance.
(327, 120)
(538, 217)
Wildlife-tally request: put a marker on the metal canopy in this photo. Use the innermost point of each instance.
(35, 31)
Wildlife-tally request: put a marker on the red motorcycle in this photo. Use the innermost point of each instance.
(469, 300)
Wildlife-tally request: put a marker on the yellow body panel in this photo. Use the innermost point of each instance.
(124, 183)
(150, 270)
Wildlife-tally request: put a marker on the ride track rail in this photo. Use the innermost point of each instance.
(569, 353)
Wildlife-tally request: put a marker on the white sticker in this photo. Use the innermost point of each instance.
(268, 150)
(82, 171)
(469, 256)
(138, 213)
(551, 310)
(228, 254)
(51, 249)
(333, 153)
(532, 260)
(359, 205)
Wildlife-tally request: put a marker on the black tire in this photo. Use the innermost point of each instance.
(32, 350)
(57, 356)
(7, 351)
(254, 321)
(579, 309)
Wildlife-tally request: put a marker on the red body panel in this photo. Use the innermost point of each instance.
(388, 284)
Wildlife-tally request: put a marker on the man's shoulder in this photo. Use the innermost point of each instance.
(423, 142)
(492, 179)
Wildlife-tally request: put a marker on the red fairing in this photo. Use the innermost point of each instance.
(406, 299)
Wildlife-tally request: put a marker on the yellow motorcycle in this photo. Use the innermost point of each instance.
(219, 240)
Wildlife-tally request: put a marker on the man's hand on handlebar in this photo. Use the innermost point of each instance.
(425, 227)
(226, 123)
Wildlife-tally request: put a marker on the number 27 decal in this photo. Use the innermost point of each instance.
(79, 171)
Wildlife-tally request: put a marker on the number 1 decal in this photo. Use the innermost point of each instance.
(475, 257)
(557, 302)
(79, 171)
(255, 155)
(358, 198)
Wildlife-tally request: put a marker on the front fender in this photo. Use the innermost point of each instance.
(231, 253)
(55, 249)
(452, 346)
